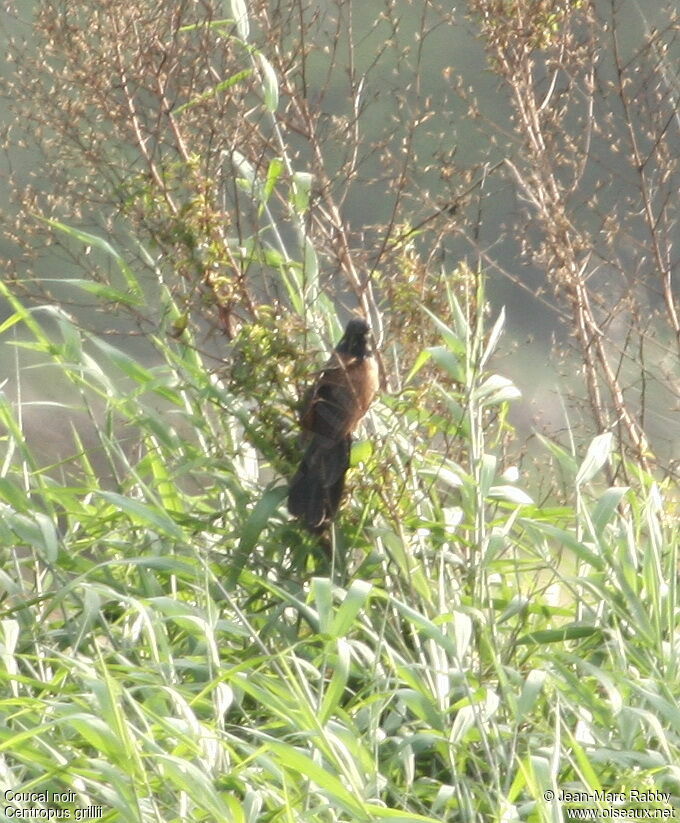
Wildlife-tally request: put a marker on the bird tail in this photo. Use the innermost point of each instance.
(317, 486)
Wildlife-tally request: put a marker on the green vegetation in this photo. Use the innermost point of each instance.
(173, 648)
(482, 637)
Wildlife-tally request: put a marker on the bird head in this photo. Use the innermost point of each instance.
(355, 339)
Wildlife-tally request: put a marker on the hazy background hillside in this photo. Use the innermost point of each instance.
(433, 114)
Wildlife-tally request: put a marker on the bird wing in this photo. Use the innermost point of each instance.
(340, 397)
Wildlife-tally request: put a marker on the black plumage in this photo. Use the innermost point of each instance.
(332, 410)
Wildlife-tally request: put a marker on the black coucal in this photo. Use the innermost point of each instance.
(332, 410)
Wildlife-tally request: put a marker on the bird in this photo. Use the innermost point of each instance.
(331, 411)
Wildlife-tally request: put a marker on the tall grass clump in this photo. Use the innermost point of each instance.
(479, 637)
(174, 648)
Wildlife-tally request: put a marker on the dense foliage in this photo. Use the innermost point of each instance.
(175, 649)
(482, 638)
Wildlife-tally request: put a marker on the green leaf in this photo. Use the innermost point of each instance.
(273, 257)
(558, 635)
(145, 515)
(103, 245)
(37, 531)
(596, 456)
(12, 494)
(223, 86)
(421, 360)
(240, 13)
(270, 83)
(533, 685)
(300, 191)
(354, 601)
(489, 462)
(245, 168)
(322, 592)
(453, 341)
(448, 362)
(311, 270)
(253, 527)
(163, 483)
(361, 452)
(98, 734)
(293, 760)
(396, 815)
(494, 337)
(12, 320)
(127, 364)
(566, 460)
(189, 778)
(450, 476)
(496, 389)
(102, 290)
(565, 538)
(49, 536)
(336, 688)
(428, 628)
(209, 24)
(510, 493)
(607, 506)
(273, 173)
